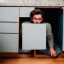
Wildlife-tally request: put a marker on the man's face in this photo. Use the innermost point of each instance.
(37, 18)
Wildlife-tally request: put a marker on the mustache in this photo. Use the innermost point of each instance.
(37, 22)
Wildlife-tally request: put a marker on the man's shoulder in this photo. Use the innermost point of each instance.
(47, 24)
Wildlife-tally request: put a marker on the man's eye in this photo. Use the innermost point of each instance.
(39, 19)
(35, 18)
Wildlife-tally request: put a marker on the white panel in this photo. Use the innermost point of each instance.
(25, 11)
(9, 14)
(9, 27)
(33, 36)
(8, 42)
(63, 28)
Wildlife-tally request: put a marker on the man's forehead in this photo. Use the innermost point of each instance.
(37, 15)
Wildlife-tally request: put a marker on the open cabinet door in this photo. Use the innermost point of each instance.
(60, 29)
(63, 28)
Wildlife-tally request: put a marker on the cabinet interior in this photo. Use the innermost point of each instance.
(54, 16)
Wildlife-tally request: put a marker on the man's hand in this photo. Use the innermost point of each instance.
(53, 52)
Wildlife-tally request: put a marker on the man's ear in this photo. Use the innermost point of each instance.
(31, 18)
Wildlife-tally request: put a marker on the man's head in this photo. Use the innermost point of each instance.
(36, 16)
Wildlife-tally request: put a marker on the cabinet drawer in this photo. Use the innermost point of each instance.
(8, 42)
(9, 14)
(8, 27)
(25, 11)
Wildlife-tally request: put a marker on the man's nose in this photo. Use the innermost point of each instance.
(36, 21)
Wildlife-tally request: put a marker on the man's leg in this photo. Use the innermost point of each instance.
(58, 50)
(47, 51)
(24, 51)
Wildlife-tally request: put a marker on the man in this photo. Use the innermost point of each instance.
(51, 48)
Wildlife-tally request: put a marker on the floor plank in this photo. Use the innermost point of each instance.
(32, 61)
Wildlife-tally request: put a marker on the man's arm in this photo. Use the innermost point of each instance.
(49, 35)
(50, 39)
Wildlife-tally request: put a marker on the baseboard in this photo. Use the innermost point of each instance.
(10, 54)
(63, 54)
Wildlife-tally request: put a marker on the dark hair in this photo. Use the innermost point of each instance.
(36, 11)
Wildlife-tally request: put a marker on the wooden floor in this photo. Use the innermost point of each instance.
(31, 60)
